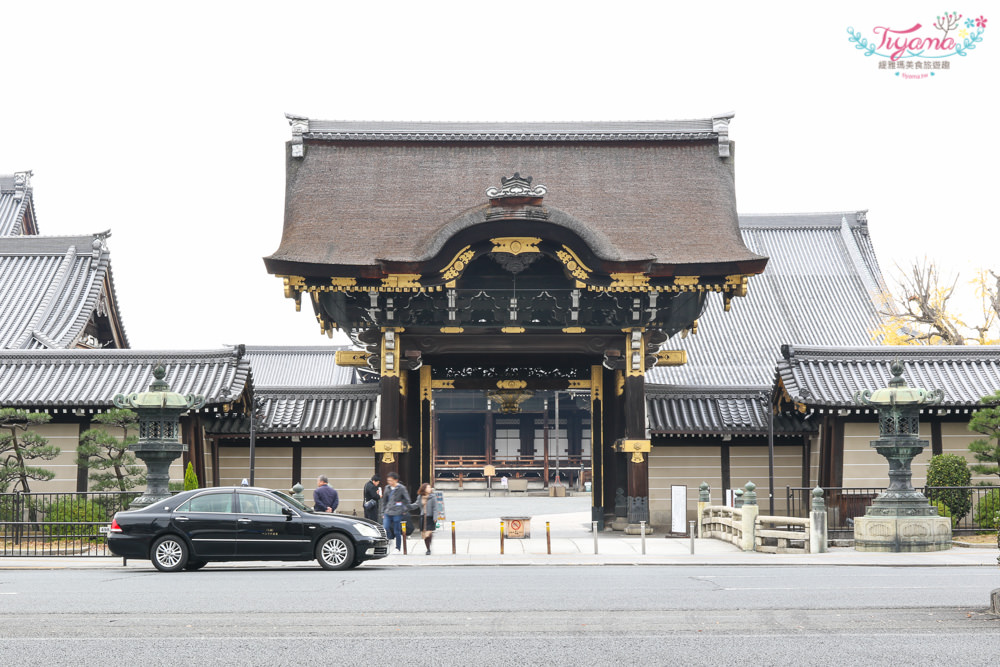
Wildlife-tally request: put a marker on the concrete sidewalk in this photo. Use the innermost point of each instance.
(477, 542)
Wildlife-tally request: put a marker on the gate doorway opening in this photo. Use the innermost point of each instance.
(546, 442)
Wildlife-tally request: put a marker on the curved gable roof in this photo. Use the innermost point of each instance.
(17, 208)
(358, 194)
(50, 289)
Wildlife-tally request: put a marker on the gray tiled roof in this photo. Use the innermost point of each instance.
(686, 410)
(15, 201)
(286, 366)
(50, 287)
(821, 287)
(530, 131)
(81, 378)
(348, 410)
(820, 376)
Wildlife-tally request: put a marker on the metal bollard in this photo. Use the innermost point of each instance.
(548, 538)
(501, 536)
(453, 549)
(404, 538)
(691, 531)
(642, 531)
(595, 536)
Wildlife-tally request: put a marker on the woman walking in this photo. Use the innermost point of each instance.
(427, 504)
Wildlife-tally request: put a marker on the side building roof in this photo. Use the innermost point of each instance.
(822, 286)
(821, 377)
(90, 378)
(58, 292)
(307, 411)
(713, 411)
(17, 205)
(276, 367)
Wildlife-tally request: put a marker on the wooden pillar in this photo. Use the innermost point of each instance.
(526, 435)
(634, 444)
(391, 443)
(426, 426)
(937, 442)
(545, 448)
(597, 407)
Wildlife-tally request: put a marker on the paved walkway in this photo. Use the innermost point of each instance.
(477, 542)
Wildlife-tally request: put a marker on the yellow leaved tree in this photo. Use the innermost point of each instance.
(922, 312)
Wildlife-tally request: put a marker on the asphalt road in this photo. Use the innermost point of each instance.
(379, 614)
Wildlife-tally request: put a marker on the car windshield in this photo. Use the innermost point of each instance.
(291, 501)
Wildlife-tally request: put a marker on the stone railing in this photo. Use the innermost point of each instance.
(746, 528)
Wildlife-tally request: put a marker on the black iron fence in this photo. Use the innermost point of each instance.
(59, 524)
(844, 504)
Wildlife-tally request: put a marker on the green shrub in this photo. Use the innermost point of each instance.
(72, 516)
(950, 470)
(987, 515)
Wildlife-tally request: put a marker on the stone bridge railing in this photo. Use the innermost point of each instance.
(745, 527)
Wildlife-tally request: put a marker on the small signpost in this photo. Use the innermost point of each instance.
(489, 472)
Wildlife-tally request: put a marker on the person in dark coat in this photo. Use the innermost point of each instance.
(427, 504)
(325, 498)
(395, 506)
(373, 494)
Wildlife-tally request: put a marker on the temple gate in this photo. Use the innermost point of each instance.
(449, 269)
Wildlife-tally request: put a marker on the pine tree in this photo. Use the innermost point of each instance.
(986, 421)
(111, 464)
(17, 451)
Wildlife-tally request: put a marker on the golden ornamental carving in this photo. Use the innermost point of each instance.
(512, 330)
(452, 330)
(343, 281)
(596, 384)
(685, 281)
(737, 284)
(515, 245)
(671, 358)
(458, 264)
(579, 384)
(442, 384)
(510, 400)
(293, 285)
(401, 281)
(425, 383)
(350, 358)
(511, 384)
(576, 268)
(573, 330)
(389, 447)
(636, 447)
(629, 280)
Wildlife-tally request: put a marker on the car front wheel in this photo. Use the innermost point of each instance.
(335, 552)
(169, 554)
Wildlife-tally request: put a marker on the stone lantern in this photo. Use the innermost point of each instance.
(159, 411)
(901, 518)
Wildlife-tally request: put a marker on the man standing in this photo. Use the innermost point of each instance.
(395, 505)
(325, 498)
(372, 496)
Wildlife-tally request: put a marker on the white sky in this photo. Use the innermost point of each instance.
(165, 122)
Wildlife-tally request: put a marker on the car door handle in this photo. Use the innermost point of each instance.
(245, 520)
(180, 518)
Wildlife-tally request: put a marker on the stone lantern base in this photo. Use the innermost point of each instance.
(896, 534)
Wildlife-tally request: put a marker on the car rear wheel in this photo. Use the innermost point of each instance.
(195, 565)
(335, 552)
(169, 554)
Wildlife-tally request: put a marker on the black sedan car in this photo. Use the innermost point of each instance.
(192, 528)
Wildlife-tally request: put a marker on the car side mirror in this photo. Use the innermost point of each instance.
(288, 513)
